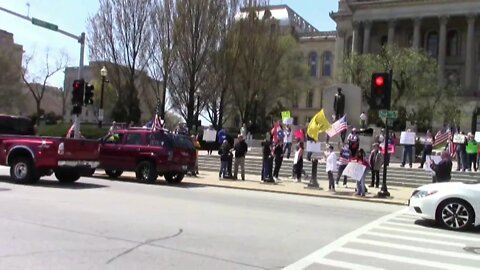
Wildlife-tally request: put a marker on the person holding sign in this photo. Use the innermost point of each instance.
(427, 141)
(408, 140)
(460, 140)
(360, 158)
(443, 169)
(472, 152)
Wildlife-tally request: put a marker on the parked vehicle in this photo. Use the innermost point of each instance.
(454, 205)
(148, 153)
(31, 157)
(16, 125)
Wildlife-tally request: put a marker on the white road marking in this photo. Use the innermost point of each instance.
(416, 239)
(401, 259)
(418, 249)
(426, 233)
(348, 265)
(313, 257)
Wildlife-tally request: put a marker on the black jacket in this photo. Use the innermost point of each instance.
(278, 151)
(443, 170)
(266, 150)
(241, 149)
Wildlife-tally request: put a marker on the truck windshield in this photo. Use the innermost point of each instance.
(182, 142)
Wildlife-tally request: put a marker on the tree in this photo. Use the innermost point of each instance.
(195, 33)
(164, 17)
(120, 34)
(10, 79)
(415, 87)
(36, 81)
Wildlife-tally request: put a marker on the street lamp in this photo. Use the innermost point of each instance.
(103, 73)
(198, 109)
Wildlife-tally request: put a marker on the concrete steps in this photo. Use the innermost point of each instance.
(404, 177)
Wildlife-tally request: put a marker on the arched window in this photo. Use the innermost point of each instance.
(327, 64)
(313, 62)
(452, 43)
(309, 100)
(432, 44)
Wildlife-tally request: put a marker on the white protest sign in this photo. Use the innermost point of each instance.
(477, 136)
(209, 135)
(407, 138)
(288, 121)
(314, 147)
(354, 170)
(459, 139)
(429, 160)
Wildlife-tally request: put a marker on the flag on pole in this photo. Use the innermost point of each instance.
(337, 127)
(442, 136)
(157, 123)
(317, 125)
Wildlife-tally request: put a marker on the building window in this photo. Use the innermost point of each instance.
(312, 61)
(452, 43)
(309, 99)
(432, 44)
(327, 64)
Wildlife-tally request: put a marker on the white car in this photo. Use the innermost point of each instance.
(454, 205)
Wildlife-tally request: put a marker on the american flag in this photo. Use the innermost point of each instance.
(157, 123)
(337, 127)
(442, 136)
(452, 149)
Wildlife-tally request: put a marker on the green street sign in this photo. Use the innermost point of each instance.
(45, 24)
(382, 113)
(388, 114)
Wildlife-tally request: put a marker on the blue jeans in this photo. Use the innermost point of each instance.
(287, 148)
(407, 152)
(223, 168)
(361, 185)
(266, 169)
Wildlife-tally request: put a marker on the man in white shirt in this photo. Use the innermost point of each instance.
(287, 141)
(331, 167)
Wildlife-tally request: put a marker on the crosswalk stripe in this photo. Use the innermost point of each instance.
(425, 233)
(402, 259)
(348, 265)
(418, 249)
(416, 239)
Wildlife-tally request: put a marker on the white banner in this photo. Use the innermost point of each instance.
(314, 147)
(407, 138)
(288, 121)
(459, 139)
(477, 136)
(429, 160)
(209, 135)
(354, 170)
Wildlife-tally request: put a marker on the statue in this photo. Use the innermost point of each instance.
(339, 104)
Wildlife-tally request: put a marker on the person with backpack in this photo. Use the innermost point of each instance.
(224, 153)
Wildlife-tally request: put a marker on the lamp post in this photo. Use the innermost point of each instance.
(103, 73)
(198, 110)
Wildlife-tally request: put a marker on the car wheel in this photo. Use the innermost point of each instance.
(22, 171)
(113, 173)
(67, 176)
(174, 178)
(455, 215)
(146, 172)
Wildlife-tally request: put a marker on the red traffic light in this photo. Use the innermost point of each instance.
(76, 85)
(379, 81)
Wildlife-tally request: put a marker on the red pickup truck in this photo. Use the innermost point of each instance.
(148, 153)
(31, 157)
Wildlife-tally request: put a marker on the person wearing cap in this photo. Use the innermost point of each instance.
(331, 167)
(376, 162)
(353, 142)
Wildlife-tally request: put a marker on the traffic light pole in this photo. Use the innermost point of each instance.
(80, 39)
(384, 191)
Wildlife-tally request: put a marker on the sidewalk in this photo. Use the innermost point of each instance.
(399, 195)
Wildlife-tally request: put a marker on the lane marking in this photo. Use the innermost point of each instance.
(322, 252)
(348, 265)
(418, 249)
(416, 239)
(408, 260)
(424, 233)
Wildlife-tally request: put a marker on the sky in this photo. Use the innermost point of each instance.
(72, 16)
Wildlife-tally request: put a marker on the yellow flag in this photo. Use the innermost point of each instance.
(317, 125)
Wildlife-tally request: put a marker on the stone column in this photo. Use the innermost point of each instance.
(367, 26)
(442, 48)
(469, 54)
(391, 32)
(355, 37)
(339, 51)
(417, 22)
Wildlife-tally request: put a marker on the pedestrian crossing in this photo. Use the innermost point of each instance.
(401, 241)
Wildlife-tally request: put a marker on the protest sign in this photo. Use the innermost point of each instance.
(286, 115)
(477, 136)
(429, 160)
(314, 147)
(354, 170)
(209, 135)
(287, 121)
(459, 139)
(407, 138)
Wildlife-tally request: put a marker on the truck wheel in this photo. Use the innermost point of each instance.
(174, 178)
(146, 172)
(113, 173)
(67, 176)
(22, 171)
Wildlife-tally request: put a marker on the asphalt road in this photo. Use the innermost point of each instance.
(103, 224)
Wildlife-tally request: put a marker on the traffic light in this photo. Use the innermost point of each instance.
(89, 94)
(77, 109)
(77, 92)
(380, 91)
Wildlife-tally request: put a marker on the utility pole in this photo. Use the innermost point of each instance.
(80, 39)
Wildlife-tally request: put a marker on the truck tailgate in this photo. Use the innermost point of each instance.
(80, 150)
